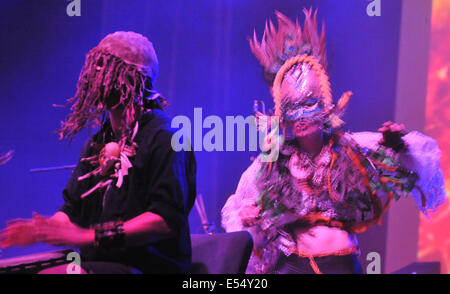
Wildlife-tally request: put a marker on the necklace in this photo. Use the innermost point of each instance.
(313, 171)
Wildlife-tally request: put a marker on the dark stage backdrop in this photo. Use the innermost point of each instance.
(205, 61)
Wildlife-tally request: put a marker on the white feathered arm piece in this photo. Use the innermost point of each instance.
(423, 157)
(246, 194)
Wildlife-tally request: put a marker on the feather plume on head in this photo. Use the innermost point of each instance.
(291, 45)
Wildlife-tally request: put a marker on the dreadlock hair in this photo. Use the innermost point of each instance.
(104, 74)
(277, 46)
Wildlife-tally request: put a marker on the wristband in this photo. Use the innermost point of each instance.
(109, 235)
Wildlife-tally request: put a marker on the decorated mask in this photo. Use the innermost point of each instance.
(294, 65)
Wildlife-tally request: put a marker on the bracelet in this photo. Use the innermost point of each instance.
(109, 235)
(400, 146)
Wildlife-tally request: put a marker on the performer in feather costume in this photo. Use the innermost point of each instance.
(305, 207)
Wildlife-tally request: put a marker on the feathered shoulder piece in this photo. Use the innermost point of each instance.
(289, 40)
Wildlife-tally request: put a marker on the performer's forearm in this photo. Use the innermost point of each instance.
(138, 231)
(145, 227)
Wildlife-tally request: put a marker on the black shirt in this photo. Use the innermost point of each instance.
(161, 181)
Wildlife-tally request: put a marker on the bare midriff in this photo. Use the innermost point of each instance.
(323, 240)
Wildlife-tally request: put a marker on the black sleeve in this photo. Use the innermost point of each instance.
(172, 181)
(73, 189)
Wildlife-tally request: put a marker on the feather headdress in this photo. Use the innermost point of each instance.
(277, 46)
(281, 49)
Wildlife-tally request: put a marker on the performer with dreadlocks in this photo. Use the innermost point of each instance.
(127, 201)
(304, 205)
